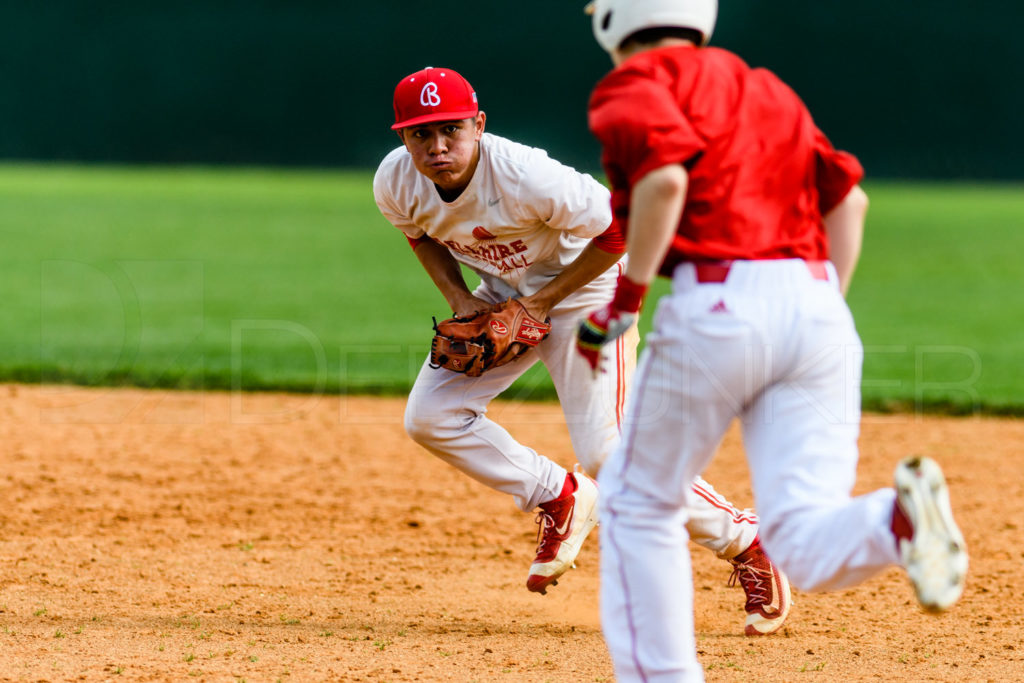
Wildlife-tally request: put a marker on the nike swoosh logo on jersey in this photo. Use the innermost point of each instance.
(494, 202)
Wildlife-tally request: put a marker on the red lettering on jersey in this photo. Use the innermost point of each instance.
(481, 233)
(514, 263)
(500, 256)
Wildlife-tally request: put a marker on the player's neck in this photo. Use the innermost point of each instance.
(449, 195)
(622, 54)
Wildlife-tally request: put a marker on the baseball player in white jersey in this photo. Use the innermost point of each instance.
(532, 229)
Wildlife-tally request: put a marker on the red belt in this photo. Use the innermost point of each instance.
(718, 271)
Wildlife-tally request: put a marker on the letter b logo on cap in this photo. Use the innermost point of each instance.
(433, 95)
(429, 96)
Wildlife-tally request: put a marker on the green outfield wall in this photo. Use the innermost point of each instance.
(916, 89)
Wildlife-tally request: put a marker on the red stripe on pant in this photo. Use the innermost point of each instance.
(738, 516)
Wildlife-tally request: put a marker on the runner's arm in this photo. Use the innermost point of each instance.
(656, 203)
(844, 226)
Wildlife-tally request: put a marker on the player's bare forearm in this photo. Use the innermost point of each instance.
(656, 204)
(592, 262)
(844, 226)
(446, 273)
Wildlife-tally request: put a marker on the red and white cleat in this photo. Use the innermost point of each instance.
(767, 589)
(563, 526)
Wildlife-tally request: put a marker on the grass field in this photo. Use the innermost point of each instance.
(283, 279)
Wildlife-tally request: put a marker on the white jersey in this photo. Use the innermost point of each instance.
(523, 218)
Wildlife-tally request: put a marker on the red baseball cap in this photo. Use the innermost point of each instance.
(433, 94)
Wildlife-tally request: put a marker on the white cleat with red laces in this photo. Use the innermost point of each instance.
(767, 589)
(564, 525)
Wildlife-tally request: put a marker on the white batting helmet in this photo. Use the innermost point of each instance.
(616, 20)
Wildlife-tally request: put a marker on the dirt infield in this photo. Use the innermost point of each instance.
(226, 537)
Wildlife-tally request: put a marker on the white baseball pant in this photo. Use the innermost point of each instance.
(777, 348)
(446, 414)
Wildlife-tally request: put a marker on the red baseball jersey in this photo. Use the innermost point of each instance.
(761, 174)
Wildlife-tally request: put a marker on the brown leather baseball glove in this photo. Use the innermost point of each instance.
(487, 339)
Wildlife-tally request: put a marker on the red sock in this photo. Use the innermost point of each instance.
(568, 488)
(900, 525)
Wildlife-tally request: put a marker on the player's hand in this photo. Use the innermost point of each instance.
(599, 328)
(536, 307)
(609, 323)
(468, 305)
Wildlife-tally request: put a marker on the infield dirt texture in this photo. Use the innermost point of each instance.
(154, 536)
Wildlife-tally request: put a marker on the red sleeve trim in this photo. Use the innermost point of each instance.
(612, 240)
(417, 241)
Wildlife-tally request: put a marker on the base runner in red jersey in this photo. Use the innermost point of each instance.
(722, 182)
